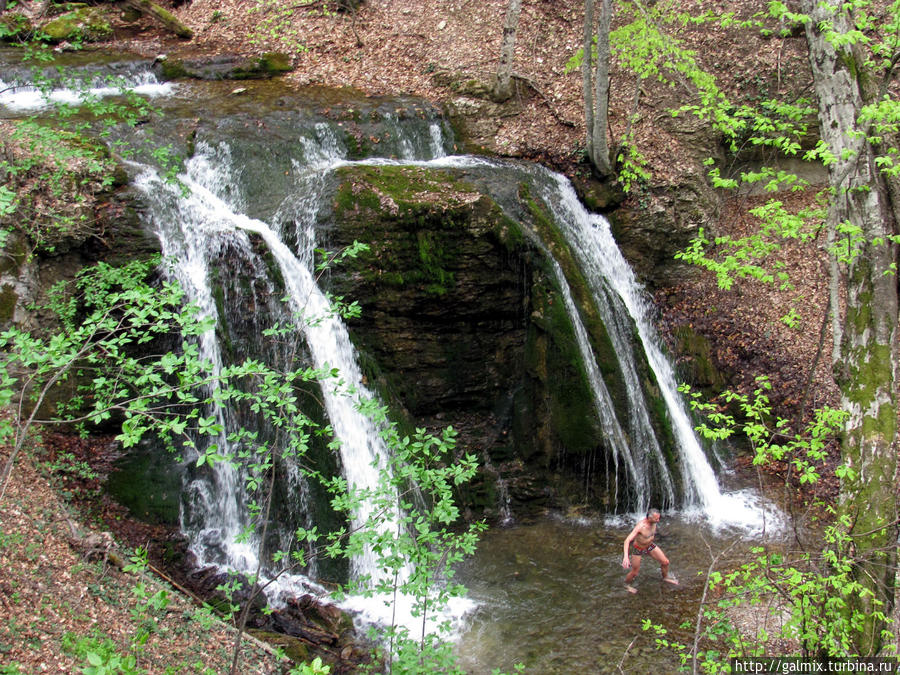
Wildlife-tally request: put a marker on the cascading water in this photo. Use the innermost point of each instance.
(206, 221)
(623, 307)
(32, 90)
(607, 271)
(639, 477)
(192, 235)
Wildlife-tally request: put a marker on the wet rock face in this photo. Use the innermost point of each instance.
(462, 322)
(444, 288)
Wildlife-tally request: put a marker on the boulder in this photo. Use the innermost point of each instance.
(84, 24)
(226, 67)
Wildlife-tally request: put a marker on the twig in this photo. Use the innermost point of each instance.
(359, 42)
(625, 653)
(245, 612)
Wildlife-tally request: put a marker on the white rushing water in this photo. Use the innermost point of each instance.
(193, 225)
(19, 97)
(605, 267)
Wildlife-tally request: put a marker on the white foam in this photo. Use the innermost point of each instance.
(25, 98)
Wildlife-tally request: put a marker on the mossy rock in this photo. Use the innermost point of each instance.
(294, 648)
(598, 196)
(8, 300)
(131, 15)
(267, 65)
(172, 69)
(151, 494)
(699, 365)
(87, 23)
(225, 67)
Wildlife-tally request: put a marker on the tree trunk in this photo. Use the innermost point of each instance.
(503, 86)
(587, 76)
(162, 15)
(599, 144)
(867, 360)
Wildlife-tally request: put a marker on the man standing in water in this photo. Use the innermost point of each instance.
(641, 540)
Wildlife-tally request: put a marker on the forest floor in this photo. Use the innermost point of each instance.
(67, 602)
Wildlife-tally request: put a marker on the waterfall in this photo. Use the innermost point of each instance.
(214, 230)
(200, 229)
(608, 273)
(625, 309)
(207, 222)
(639, 476)
(192, 235)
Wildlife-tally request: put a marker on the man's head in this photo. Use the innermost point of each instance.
(653, 515)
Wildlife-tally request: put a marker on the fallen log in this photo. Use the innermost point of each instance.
(164, 16)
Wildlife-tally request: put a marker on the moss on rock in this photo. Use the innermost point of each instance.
(88, 24)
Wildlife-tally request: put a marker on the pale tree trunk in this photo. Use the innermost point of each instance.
(587, 75)
(503, 86)
(599, 144)
(867, 357)
(595, 85)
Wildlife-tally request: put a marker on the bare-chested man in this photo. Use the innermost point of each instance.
(642, 537)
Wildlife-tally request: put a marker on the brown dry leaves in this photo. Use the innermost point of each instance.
(50, 596)
(745, 323)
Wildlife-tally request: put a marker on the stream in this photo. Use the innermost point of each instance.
(551, 595)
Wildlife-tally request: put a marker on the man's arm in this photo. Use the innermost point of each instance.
(626, 560)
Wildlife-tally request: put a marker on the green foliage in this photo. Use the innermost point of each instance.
(771, 439)
(814, 593)
(782, 125)
(64, 470)
(424, 540)
(101, 654)
(751, 256)
(275, 23)
(47, 181)
(644, 47)
(53, 170)
(811, 598)
(315, 667)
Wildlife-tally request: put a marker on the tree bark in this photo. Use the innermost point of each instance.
(587, 75)
(503, 86)
(164, 16)
(867, 361)
(599, 144)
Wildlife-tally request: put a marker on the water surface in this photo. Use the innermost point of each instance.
(551, 596)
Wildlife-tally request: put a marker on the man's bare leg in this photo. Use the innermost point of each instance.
(635, 568)
(660, 557)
